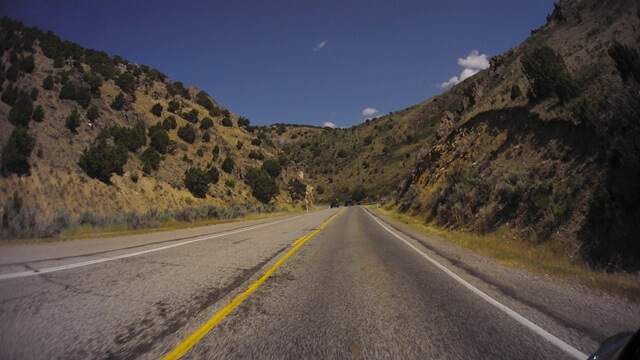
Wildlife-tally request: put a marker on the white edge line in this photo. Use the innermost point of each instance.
(137, 253)
(519, 318)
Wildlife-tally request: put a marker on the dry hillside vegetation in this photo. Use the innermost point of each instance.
(559, 163)
(85, 133)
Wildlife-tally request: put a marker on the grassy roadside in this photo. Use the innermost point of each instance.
(79, 232)
(547, 259)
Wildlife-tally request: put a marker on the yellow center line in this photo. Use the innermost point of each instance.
(304, 238)
(187, 344)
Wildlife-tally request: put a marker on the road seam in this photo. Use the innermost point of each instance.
(519, 318)
(193, 339)
(138, 253)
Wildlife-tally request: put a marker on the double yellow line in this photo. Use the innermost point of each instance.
(187, 344)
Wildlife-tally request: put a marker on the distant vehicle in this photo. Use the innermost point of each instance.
(335, 204)
(348, 203)
(621, 346)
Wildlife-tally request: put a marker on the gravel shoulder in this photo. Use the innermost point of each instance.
(591, 314)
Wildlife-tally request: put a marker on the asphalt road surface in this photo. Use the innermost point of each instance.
(361, 286)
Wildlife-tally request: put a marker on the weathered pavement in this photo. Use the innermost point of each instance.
(354, 290)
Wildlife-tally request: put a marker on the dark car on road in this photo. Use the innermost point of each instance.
(335, 204)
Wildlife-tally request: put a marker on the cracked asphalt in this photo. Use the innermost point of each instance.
(352, 291)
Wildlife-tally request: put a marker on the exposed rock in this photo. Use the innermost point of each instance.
(446, 125)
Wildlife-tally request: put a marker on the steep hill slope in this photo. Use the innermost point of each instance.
(60, 101)
(561, 164)
(543, 143)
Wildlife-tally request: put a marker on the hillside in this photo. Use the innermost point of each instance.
(549, 152)
(560, 165)
(60, 101)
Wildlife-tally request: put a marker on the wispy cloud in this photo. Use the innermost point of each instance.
(369, 111)
(329, 124)
(472, 64)
(452, 81)
(321, 45)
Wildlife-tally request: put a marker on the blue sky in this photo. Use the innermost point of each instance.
(263, 59)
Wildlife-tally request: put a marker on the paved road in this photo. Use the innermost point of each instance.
(354, 290)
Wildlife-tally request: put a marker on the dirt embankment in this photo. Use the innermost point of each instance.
(545, 180)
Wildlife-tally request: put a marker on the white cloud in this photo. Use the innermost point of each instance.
(467, 73)
(475, 61)
(472, 64)
(329, 124)
(452, 81)
(320, 46)
(369, 111)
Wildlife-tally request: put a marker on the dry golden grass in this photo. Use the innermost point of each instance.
(85, 232)
(121, 229)
(547, 259)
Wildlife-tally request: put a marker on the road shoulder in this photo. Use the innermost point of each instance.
(37, 252)
(556, 302)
